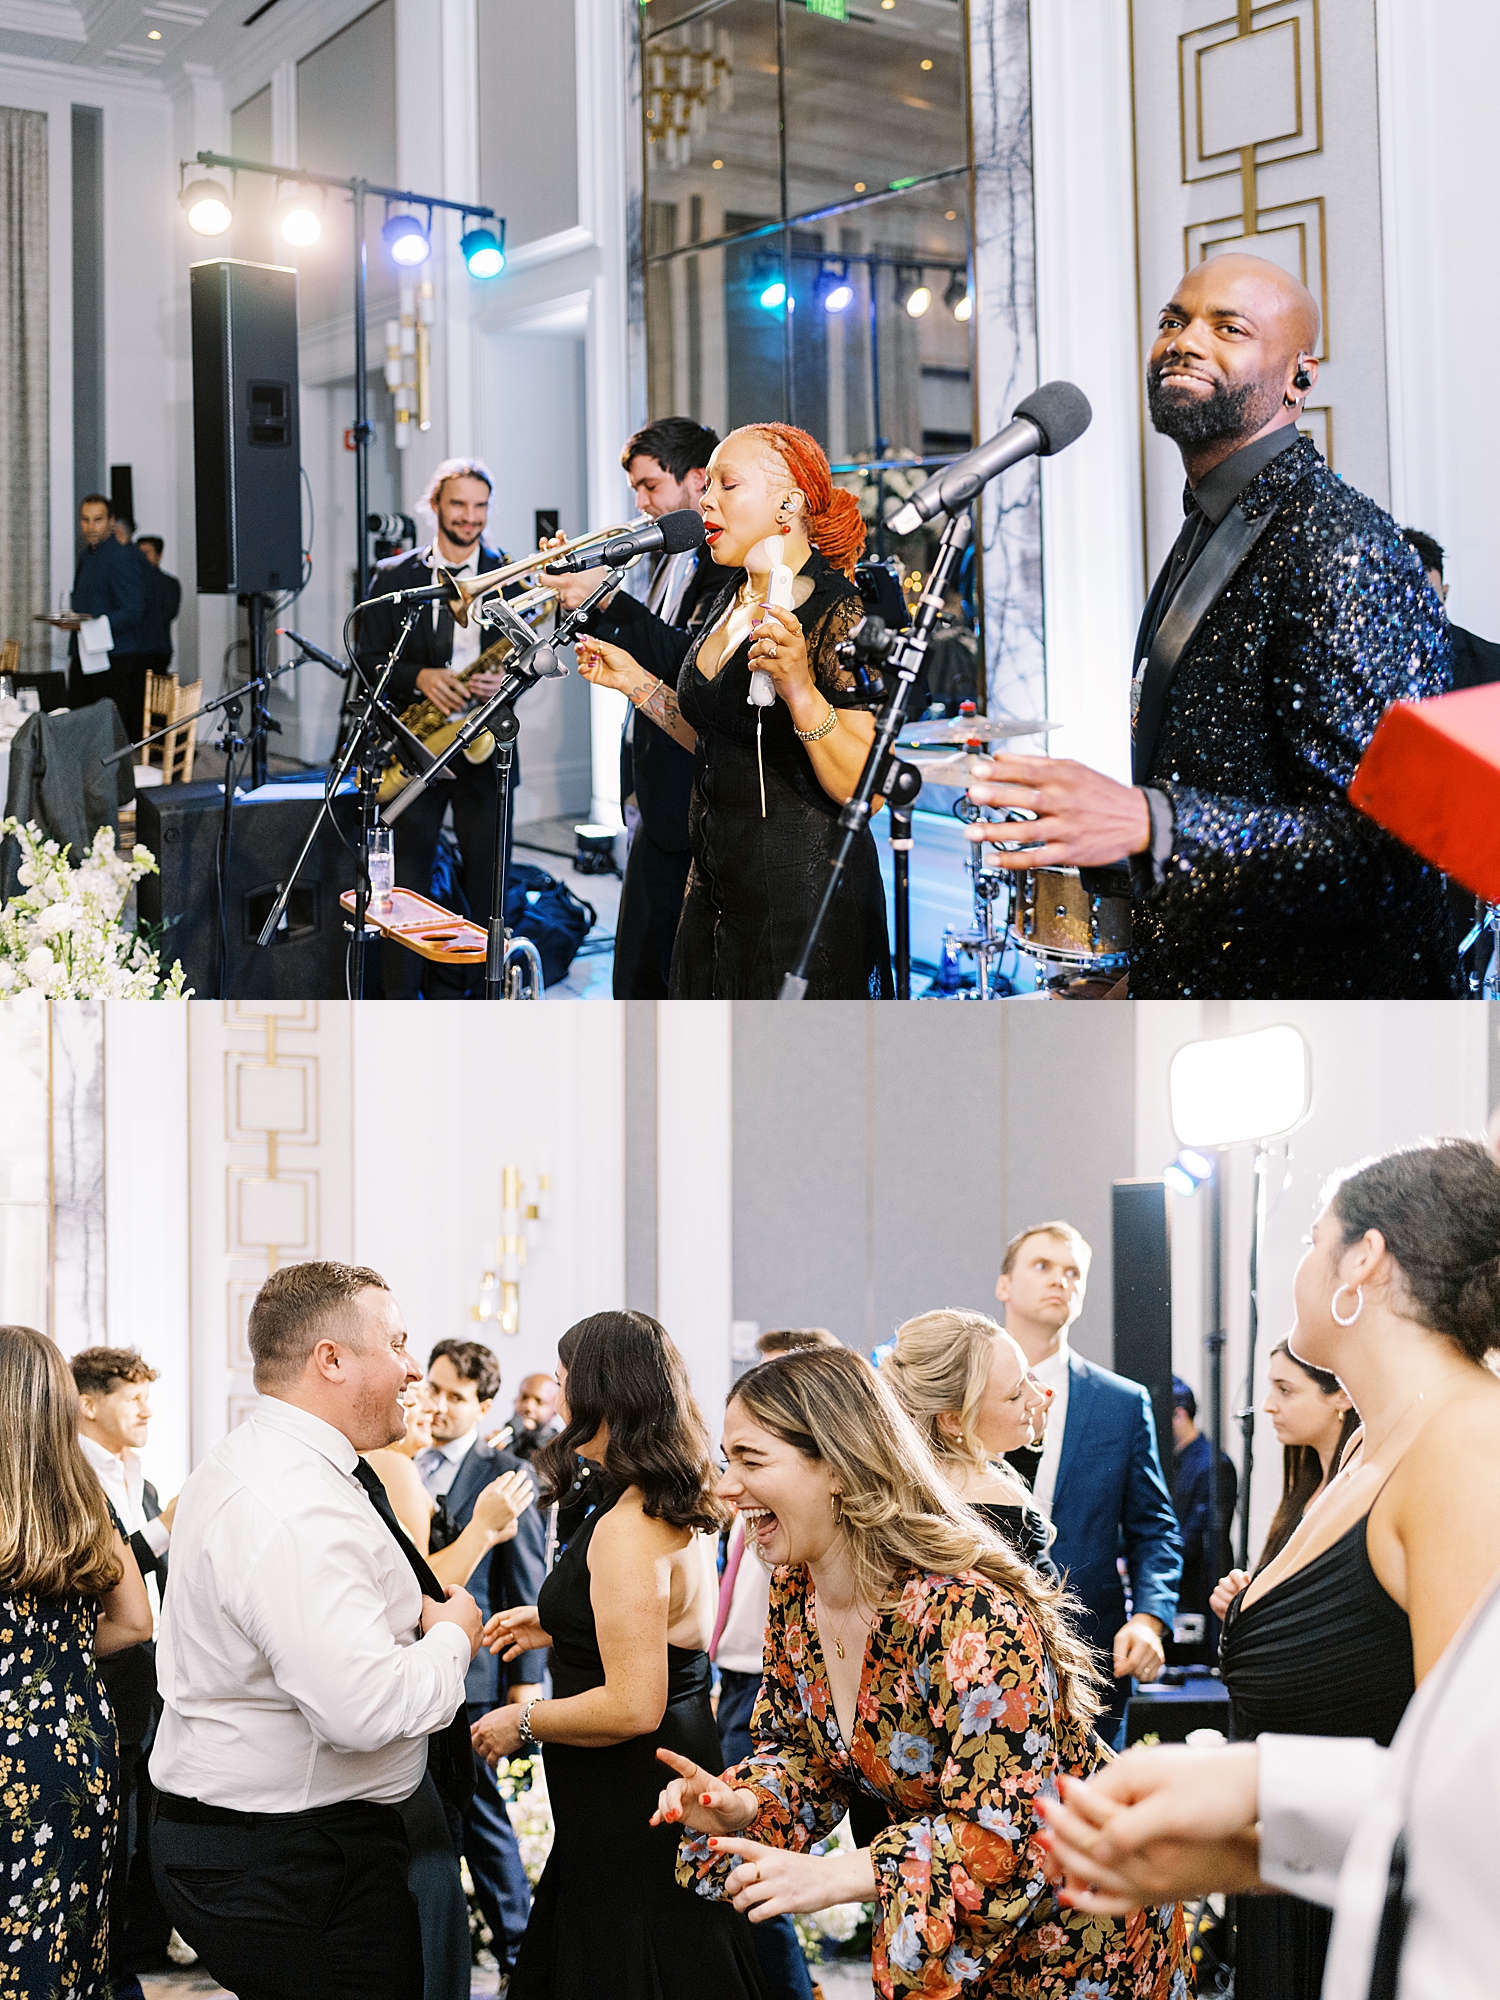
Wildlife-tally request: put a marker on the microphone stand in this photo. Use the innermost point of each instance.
(498, 716)
(877, 773)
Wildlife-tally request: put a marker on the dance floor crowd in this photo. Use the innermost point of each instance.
(868, 1641)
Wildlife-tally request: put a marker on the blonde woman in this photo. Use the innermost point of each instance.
(965, 1385)
(70, 1593)
(913, 1655)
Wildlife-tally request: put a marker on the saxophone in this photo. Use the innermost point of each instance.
(427, 722)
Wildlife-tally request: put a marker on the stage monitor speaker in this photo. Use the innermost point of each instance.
(247, 452)
(1143, 1300)
(180, 824)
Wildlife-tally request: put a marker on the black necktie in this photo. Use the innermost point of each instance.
(450, 1753)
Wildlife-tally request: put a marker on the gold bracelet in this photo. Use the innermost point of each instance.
(816, 735)
(644, 694)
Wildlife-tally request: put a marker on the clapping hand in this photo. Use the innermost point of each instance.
(696, 1798)
(503, 1502)
(514, 1632)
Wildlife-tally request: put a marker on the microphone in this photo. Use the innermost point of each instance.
(675, 533)
(314, 652)
(427, 593)
(1045, 421)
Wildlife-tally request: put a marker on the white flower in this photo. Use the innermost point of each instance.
(57, 918)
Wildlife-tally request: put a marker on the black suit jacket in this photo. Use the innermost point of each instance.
(130, 1677)
(653, 765)
(1476, 661)
(430, 645)
(512, 1573)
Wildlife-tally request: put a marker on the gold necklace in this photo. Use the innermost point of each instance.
(838, 1642)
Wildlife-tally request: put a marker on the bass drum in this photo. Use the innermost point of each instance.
(1059, 921)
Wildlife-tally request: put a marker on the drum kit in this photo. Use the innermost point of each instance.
(1065, 936)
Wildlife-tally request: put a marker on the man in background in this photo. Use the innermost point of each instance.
(114, 1417)
(1100, 1480)
(1204, 1561)
(535, 1422)
(1476, 661)
(462, 1379)
(163, 602)
(109, 582)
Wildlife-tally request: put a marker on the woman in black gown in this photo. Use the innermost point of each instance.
(627, 1612)
(768, 783)
(1399, 1297)
(964, 1382)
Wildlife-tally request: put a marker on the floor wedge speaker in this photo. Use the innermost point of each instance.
(246, 440)
(180, 824)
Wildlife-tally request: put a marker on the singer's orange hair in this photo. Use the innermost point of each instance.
(834, 524)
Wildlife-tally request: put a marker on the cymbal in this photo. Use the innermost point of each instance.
(972, 729)
(940, 767)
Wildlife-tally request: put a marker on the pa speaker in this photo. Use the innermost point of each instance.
(246, 437)
(1143, 1298)
(306, 960)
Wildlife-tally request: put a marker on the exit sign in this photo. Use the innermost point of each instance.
(834, 9)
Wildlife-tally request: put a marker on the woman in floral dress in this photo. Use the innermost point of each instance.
(910, 1655)
(70, 1592)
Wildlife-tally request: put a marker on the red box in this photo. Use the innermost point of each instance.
(1431, 776)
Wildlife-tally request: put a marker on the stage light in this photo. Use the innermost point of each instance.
(207, 207)
(483, 251)
(1188, 1172)
(1240, 1087)
(833, 286)
(774, 295)
(301, 221)
(956, 298)
(406, 240)
(1179, 1180)
(840, 297)
(918, 300)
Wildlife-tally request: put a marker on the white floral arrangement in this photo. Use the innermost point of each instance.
(818, 1930)
(60, 937)
(530, 1810)
(894, 484)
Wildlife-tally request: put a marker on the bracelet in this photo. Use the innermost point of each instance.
(529, 1741)
(816, 735)
(644, 693)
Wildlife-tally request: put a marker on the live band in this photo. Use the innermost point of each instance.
(1291, 613)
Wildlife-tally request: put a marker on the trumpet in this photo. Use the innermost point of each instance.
(471, 587)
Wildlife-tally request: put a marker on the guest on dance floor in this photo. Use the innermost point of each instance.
(627, 1612)
(71, 1594)
(1398, 1296)
(768, 783)
(311, 1666)
(913, 1655)
(1315, 1423)
(966, 1386)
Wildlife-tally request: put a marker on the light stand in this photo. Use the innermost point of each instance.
(908, 653)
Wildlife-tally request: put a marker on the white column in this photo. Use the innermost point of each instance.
(695, 1193)
(460, 138)
(284, 114)
(1092, 548)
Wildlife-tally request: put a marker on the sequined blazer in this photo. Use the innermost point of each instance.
(1276, 886)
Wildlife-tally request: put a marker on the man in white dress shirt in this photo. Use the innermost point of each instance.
(114, 1417)
(302, 1666)
(1402, 1844)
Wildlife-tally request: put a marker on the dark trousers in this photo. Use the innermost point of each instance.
(494, 1857)
(404, 975)
(293, 1906)
(138, 1925)
(123, 682)
(432, 1875)
(782, 1966)
(650, 904)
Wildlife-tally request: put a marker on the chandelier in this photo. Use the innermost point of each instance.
(521, 1222)
(680, 79)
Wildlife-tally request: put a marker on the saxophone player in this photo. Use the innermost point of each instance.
(437, 653)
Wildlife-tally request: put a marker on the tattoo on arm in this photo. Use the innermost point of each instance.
(661, 705)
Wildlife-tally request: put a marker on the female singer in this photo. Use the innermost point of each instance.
(912, 1654)
(965, 1384)
(768, 783)
(628, 1611)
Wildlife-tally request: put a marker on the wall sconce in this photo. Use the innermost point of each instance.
(525, 1208)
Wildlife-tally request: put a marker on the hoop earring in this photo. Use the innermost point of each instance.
(836, 1502)
(1359, 1304)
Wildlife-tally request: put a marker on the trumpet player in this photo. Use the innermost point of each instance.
(432, 664)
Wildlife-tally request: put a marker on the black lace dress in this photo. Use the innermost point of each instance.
(608, 1921)
(755, 882)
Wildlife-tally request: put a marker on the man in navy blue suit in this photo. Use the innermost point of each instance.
(1100, 1478)
(462, 1378)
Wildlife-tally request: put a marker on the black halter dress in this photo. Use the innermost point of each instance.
(1324, 1653)
(756, 881)
(608, 1921)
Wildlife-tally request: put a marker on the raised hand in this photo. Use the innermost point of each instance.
(511, 1633)
(698, 1799)
(1226, 1590)
(609, 666)
(503, 1502)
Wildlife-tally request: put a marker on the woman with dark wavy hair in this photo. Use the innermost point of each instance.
(628, 1612)
(70, 1593)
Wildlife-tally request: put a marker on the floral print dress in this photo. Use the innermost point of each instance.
(57, 1815)
(958, 1732)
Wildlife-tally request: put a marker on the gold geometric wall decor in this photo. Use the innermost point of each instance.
(1251, 84)
(1293, 234)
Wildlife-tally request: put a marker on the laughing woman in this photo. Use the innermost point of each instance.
(768, 783)
(913, 1655)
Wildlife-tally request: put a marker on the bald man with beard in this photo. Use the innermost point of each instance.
(1288, 617)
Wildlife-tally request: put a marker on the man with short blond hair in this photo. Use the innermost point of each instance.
(311, 1666)
(1100, 1478)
